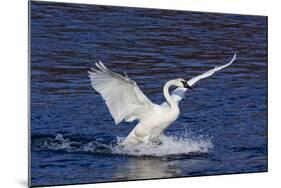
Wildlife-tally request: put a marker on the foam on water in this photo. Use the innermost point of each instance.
(165, 146)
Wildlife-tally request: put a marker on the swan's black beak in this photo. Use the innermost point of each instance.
(185, 84)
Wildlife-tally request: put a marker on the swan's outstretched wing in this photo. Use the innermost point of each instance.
(178, 93)
(122, 96)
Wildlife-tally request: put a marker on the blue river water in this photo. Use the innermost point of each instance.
(222, 128)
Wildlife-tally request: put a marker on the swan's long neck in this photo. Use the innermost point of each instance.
(170, 101)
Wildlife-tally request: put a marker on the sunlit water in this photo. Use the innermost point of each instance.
(222, 127)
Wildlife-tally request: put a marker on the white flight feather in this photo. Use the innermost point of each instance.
(122, 96)
(178, 93)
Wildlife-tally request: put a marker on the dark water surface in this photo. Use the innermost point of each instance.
(223, 123)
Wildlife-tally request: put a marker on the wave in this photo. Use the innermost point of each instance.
(167, 145)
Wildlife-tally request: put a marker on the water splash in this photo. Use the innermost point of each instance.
(165, 146)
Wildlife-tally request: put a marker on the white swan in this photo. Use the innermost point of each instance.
(126, 101)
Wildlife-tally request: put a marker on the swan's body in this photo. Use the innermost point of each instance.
(156, 120)
(126, 101)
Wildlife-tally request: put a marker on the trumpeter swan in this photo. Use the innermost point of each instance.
(126, 101)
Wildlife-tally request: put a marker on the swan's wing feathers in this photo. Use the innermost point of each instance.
(210, 72)
(122, 96)
(178, 93)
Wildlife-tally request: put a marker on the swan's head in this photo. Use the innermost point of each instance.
(182, 83)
